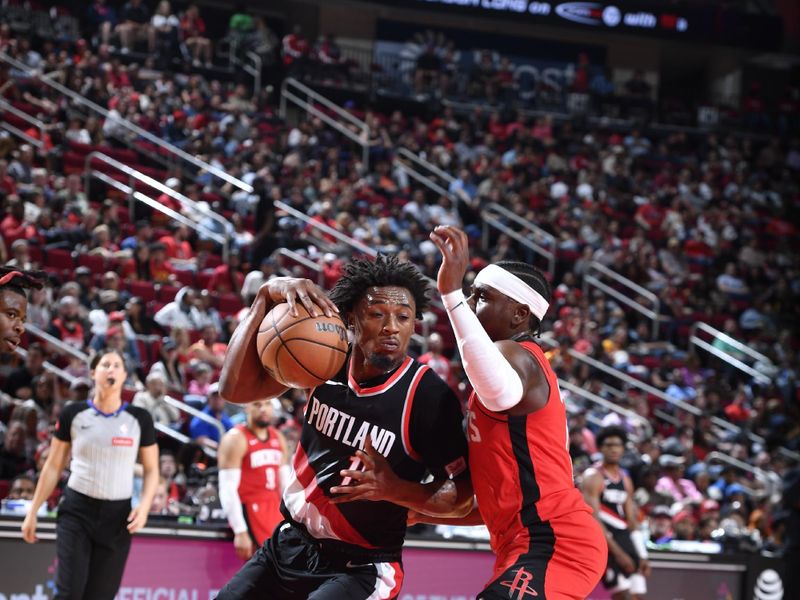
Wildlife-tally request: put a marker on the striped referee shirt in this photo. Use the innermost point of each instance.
(104, 447)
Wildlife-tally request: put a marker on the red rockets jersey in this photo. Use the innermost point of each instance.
(520, 466)
(260, 465)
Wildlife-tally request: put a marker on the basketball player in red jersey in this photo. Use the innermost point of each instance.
(370, 435)
(253, 470)
(547, 542)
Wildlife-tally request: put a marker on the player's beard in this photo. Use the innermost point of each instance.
(261, 423)
(384, 362)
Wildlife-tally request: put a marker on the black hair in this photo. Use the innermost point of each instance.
(535, 279)
(95, 360)
(20, 281)
(361, 274)
(612, 431)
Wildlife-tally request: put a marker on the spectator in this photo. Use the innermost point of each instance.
(103, 19)
(205, 433)
(169, 367)
(22, 488)
(67, 326)
(207, 349)
(14, 459)
(435, 359)
(133, 25)
(19, 383)
(681, 491)
(152, 399)
(181, 312)
(193, 34)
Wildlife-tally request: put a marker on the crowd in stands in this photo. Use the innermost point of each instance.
(706, 222)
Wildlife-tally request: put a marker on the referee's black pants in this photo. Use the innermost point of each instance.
(92, 544)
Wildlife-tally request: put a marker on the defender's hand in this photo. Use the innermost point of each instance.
(454, 246)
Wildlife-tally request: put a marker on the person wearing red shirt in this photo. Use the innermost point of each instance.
(546, 539)
(161, 269)
(253, 471)
(208, 349)
(227, 278)
(14, 227)
(7, 183)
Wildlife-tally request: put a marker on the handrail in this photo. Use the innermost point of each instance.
(48, 366)
(21, 114)
(183, 439)
(182, 406)
(632, 381)
(548, 239)
(54, 341)
(133, 174)
(771, 480)
(362, 138)
(171, 148)
(607, 404)
(590, 279)
(299, 258)
(426, 164)
(424, 180)
(489, 220)
(723, 355)
(345, 239)
(317, 97)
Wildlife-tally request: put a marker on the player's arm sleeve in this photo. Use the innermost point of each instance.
(63, 430)
(229, 498)
(436, 431)
(496, 383)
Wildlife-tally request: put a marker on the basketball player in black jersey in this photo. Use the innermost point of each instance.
(14, 305)
(371, 434)
(609, 491)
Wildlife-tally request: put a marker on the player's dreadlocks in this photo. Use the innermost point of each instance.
(361, 274)
(19, 281)
(534, 278)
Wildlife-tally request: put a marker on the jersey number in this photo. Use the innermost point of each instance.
(271, 479)
(474, 432)
(355, 465)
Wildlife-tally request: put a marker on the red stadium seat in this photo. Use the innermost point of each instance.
(146, 290)
(228, 304)
(59, 259)
(95, 262)
(167, 293)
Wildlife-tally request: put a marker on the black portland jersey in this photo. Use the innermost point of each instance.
(413, 419)
(612, 502)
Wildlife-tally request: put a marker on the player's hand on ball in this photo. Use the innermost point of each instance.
(244, 545)
(376, 481)
(293, 290)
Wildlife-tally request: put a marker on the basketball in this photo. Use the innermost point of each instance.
(302, 351)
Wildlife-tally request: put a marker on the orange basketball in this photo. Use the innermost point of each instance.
(302, 351)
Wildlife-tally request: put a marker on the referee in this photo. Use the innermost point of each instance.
(95, 520)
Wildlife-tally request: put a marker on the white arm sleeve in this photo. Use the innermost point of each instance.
(494, 380)
(284, 474)
(637, 537)
(229, 498)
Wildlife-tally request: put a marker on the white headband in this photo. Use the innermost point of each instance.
(513, 287)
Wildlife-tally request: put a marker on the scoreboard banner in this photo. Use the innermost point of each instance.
(712, 23)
